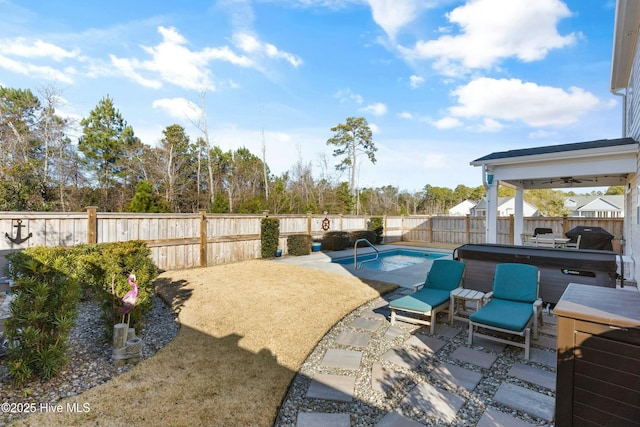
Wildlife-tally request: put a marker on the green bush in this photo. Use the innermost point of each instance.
(299, 244)
(376, 224)
(269, 234)
(43, 312)
(336, 240)
(48, 286)
(363, 234)
(106, 268)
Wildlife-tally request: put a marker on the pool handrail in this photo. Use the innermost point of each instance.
(355, 253)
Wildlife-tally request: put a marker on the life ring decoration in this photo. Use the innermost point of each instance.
(326, 223)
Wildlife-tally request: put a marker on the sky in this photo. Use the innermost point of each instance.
(440, 82)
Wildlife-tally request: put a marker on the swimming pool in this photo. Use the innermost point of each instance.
(391, 260)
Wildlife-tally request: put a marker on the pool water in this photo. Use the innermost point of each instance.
(391, 260)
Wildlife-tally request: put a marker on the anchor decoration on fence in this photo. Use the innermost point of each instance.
(18, 239)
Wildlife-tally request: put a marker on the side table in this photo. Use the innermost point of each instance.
(458, 303)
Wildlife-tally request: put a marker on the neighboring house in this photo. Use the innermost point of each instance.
(463, 208)
(506, 207)
(595, 206)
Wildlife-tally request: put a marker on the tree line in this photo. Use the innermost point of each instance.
(44, 168)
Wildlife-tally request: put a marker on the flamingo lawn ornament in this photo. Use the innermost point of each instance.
(130, 299)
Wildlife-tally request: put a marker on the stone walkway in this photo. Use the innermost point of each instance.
(368, 372)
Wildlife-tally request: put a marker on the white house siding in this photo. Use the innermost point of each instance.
(462, 209)
(632, 223)
(598, 208)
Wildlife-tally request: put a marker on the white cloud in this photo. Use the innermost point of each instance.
(344, 95)
(127, 67)
(514, 100)
(492, 30)
(35, 49)
(405, 115)
(250, 44)
(171, 61)
(13, 51)
(44, 72)
(377, 109)
(447, 123)
(375, 129)
(392, 15)
(179, 108)
(416, 81)
(490, 125)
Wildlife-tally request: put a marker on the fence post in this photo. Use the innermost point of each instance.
(431, 229)
(467, 228)
(203, 238)
(92, 225)
(511, 229)
(565, 224)
(384, 228)
(309, 224)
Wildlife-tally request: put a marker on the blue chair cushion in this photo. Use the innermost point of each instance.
(510, 315)
(516, 282)
(445, 274)
(422, 301)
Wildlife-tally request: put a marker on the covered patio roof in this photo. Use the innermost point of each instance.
(601, 163)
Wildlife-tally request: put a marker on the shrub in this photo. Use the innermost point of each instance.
(299, 244)
(269, 234)
(363, 234)
(336, 240)
(106, 267)
(376, 225)
(48, 287)
(43, 312)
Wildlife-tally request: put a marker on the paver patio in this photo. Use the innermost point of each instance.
(440, 393)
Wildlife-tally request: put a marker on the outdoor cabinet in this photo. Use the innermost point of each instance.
(598, 355)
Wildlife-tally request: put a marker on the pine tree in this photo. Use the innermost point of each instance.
(105, 141)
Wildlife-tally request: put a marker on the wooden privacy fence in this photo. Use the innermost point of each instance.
(196, 240)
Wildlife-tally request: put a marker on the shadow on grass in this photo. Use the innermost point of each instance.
(236, 387)
(174, 292)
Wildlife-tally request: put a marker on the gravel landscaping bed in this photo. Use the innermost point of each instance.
(90, 361)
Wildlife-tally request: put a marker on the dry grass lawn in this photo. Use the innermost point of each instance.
(246, 328)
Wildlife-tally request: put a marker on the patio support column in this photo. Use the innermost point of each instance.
(518, 225)
(492, 213)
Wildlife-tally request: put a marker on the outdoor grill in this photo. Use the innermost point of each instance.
(540, 230)
(591, 237)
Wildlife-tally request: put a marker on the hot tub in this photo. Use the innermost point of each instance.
(558, 266)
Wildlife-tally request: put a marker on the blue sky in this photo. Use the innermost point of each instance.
(441, 82)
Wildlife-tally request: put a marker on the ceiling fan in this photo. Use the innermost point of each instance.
(567, 180)
(572, 180)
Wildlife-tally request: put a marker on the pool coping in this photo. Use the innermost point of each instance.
(405, 277)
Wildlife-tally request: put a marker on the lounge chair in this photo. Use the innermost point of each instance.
(514, 306)
(444, 276)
